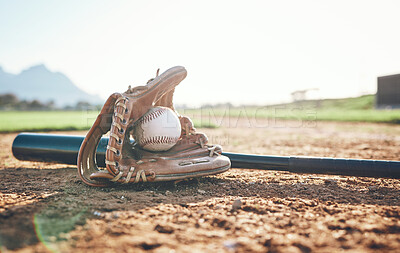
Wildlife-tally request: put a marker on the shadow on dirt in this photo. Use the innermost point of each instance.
(44, 205)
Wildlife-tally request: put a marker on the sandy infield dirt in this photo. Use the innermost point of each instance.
(46, 208)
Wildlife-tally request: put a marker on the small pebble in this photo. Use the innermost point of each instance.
(166, 229)
(232, 245)
(201, 191)
(237, 204)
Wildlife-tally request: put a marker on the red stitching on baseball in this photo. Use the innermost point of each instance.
(159, 140)
(158, 112)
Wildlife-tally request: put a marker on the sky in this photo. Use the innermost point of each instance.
(242, 52)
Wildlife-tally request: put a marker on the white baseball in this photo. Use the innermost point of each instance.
(158, 130)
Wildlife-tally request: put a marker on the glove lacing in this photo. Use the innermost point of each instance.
(119, 126)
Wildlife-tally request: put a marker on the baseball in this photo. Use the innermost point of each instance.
(158, 130)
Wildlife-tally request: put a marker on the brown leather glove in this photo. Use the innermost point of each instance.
(127, 162)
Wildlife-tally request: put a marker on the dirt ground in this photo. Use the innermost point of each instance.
(46, 207)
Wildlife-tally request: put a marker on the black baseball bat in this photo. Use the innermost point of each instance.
(64, 149)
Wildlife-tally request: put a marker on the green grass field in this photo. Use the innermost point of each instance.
(12, 121)
(19, 121)
(351, 109)
(301, 113)
(359, 109)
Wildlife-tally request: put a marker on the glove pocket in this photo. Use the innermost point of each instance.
(178, 169)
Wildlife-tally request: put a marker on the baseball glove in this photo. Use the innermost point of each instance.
(127, 162)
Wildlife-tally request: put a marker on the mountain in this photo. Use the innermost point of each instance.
(39, 83)
(4, 77)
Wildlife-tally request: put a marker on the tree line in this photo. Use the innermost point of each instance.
(10, 101)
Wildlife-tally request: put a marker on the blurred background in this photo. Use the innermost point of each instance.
(298, 60)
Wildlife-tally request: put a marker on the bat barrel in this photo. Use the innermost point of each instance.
(65, 148)
(53, 148)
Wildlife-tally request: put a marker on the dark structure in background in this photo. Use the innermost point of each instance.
(388, 94)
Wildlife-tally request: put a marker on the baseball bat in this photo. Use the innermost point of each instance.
(64, 149)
